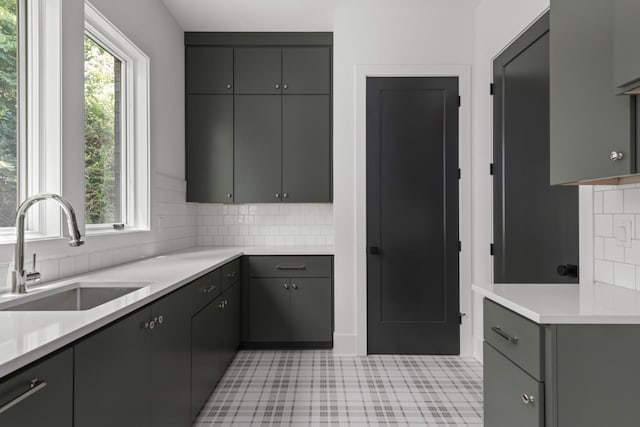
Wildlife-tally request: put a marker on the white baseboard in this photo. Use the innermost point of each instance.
(344, 344)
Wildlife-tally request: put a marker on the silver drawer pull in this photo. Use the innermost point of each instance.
(507, 337)
(291, 267)
(528, 400)
(36, 386)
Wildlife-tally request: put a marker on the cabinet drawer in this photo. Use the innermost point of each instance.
(48, 403)
(519, 339)
(230, 274)
(205, 289)
(511, 397)
(290, 266)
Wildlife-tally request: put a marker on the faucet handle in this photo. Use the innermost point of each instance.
(33, 276)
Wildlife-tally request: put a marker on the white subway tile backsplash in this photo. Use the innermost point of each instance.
(603, 225)
(611, 251)
(625, 275)
(266, 224)
(603, 271)
(613, 201)
(632, 200)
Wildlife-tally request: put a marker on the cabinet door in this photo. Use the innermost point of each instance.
(206, 336)
(508, 393)
(269, 310)
(210, 148)
(47, 389)
(209, 69)
(588, 121)
(311, 314)
(258, 146)
(171, 361)
(626, 48)
(306, 70)
(306, 149)
(112, 375)
(230, 325)
(258, 70)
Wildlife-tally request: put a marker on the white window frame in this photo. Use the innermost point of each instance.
(39, 118)
(135, 123)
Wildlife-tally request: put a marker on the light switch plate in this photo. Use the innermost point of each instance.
(623, 232)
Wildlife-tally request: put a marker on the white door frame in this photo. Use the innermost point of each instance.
(463, 72)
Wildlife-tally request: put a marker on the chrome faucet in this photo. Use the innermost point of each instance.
(19, 277)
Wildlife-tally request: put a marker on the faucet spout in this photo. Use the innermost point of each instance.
(19, 277)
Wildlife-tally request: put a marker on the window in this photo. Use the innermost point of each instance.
(8, 111)
(116, 94)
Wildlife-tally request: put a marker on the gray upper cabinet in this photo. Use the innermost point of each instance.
(258, 70)
(590, 125)
(210, 148)
(258, 157)
(42, 395)
(306, 70)
(306, 149)
(626, 46)
(209, 70)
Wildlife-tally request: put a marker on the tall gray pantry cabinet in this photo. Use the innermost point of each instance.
(258, 114)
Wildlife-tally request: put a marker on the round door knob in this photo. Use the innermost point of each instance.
(285, 286)
(528, 400)
(294, 286)
(286, 86)
(616, 155)
(228, 86)
(277, 86)
(285, 195)
(229, 195)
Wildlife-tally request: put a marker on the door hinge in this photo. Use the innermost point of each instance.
(459, 101)
(459, 173)
(491, 249)
(492, 89)
(491, 169)
(460, 316)
(459, 246)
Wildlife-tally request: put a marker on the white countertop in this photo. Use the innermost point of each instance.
(26, 336)
(566, 303)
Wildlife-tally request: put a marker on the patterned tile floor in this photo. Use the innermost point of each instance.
(312, 387)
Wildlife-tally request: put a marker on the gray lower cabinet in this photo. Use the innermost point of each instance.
(112, 373)
(306, 148)
(215, 335)
(41, 395)
(590, 124)
(258, 152)
(209, 148)
(290, 301)
(559, 375)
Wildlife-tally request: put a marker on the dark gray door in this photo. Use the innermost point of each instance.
(311, 310)
(412, 215)
(112, 375)
(258, 149)
(209, 70)
(206, 337)
(51, 405)
(171, 361)
(258, 70)
(210, 148)
(535, 225)
(306, 149)
(306, 70)
(269, 310)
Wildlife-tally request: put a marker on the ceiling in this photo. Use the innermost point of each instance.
(253, 15)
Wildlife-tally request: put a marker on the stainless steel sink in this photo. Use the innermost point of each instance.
(83, 297)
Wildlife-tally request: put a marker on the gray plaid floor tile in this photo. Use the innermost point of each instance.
(312, 387)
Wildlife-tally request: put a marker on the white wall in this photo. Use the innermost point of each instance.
(498, 22)
(379, 33)
(150, 26)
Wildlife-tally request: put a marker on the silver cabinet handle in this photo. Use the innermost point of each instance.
(294, 286)
(507, 337)
(277, 86)
(229, 195)
(286, 86)
(285, 286)
(285, 195)
(160, 319)
(528, 400)
(616, 155)
(232, 274)
(291, 267)
(35, 386)
(152, 324)
(228, 86)
(209, 289)
(277, 195)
